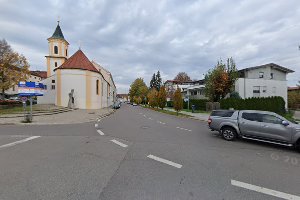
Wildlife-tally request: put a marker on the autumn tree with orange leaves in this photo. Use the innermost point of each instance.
(13, 67)
(220, 80)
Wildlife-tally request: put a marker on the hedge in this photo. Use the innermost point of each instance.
(200, 104)
(272, 104)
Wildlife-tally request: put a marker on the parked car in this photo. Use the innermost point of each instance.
(117, 105)
(255, 125)
(15, 98)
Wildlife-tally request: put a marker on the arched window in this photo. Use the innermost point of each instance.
(66, 52)
(55, 64)
(55, 50)
(97, 87)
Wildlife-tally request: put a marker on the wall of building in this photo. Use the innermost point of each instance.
(277, 75)
(49, 92)
(267, 88)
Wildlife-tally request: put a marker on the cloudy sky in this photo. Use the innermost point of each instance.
(136, 38)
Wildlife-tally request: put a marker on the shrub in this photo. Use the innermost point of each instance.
(200, 104)
(272, 104)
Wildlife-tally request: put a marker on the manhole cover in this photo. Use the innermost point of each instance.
(145, 127)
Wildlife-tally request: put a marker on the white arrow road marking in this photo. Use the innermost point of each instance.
(19, 142)
(100, 132)
(119, 143)
(264, 190)
(168, 162)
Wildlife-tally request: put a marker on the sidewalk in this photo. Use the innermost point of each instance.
(71, 117)
(199, 116)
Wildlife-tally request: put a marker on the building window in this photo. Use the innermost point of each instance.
(271, 76)
(52, 87)
(194, 93)
(97, 87)
(66, 52)
(53, 81)
(55, 50)
(55, 64)
(261, 74)
(102, 89)
(264, 89)
(256, 91)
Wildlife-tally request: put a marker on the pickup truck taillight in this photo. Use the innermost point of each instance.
(209, 121)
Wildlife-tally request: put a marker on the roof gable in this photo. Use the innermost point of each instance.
(272, 65)
(78, 61)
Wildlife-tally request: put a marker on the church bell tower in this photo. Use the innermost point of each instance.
(58, 50)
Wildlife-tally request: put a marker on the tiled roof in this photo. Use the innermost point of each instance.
(42, 74)
(78, 61)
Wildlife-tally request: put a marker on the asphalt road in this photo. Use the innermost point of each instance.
(137, 153)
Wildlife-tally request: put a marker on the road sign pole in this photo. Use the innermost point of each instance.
(30, 107)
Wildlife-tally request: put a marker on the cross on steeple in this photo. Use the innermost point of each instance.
(58, 19)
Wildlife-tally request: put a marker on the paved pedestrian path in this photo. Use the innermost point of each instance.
(71, 117)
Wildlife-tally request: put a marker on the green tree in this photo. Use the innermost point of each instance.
(162, 97)
(138, 88)
(177, 100)
(152, 97)
(220, 80)
(13, 67)
(182, 77)
(153, 81)
(158, 81)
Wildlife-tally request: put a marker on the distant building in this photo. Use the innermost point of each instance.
(263, 81)
(76, 80)
(191, 89)
(35, 76)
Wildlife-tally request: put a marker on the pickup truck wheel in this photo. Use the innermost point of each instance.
(228, 133)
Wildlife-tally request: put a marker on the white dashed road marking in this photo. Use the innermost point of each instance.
(119, 143)
(144, 115)
(19, 142)
(98, 120)
(96, 125)
(184, 129)
(161, 122)
(264, 190)
(150, 118)
(100, 132)
(165, 161)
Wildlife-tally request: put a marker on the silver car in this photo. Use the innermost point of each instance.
(255, 125)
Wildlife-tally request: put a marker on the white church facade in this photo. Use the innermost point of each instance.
(76, 81)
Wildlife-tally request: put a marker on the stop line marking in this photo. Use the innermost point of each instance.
(168, 162)
(264, 190)
(19, 142)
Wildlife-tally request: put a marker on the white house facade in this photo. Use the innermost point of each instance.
(263, 81)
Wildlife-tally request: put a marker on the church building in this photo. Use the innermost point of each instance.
(76, 81)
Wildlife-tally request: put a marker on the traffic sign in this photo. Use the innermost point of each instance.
(24, 99)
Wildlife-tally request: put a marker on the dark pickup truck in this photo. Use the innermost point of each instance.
(255, 125)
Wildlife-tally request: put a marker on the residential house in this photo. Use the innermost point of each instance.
(263, 81)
